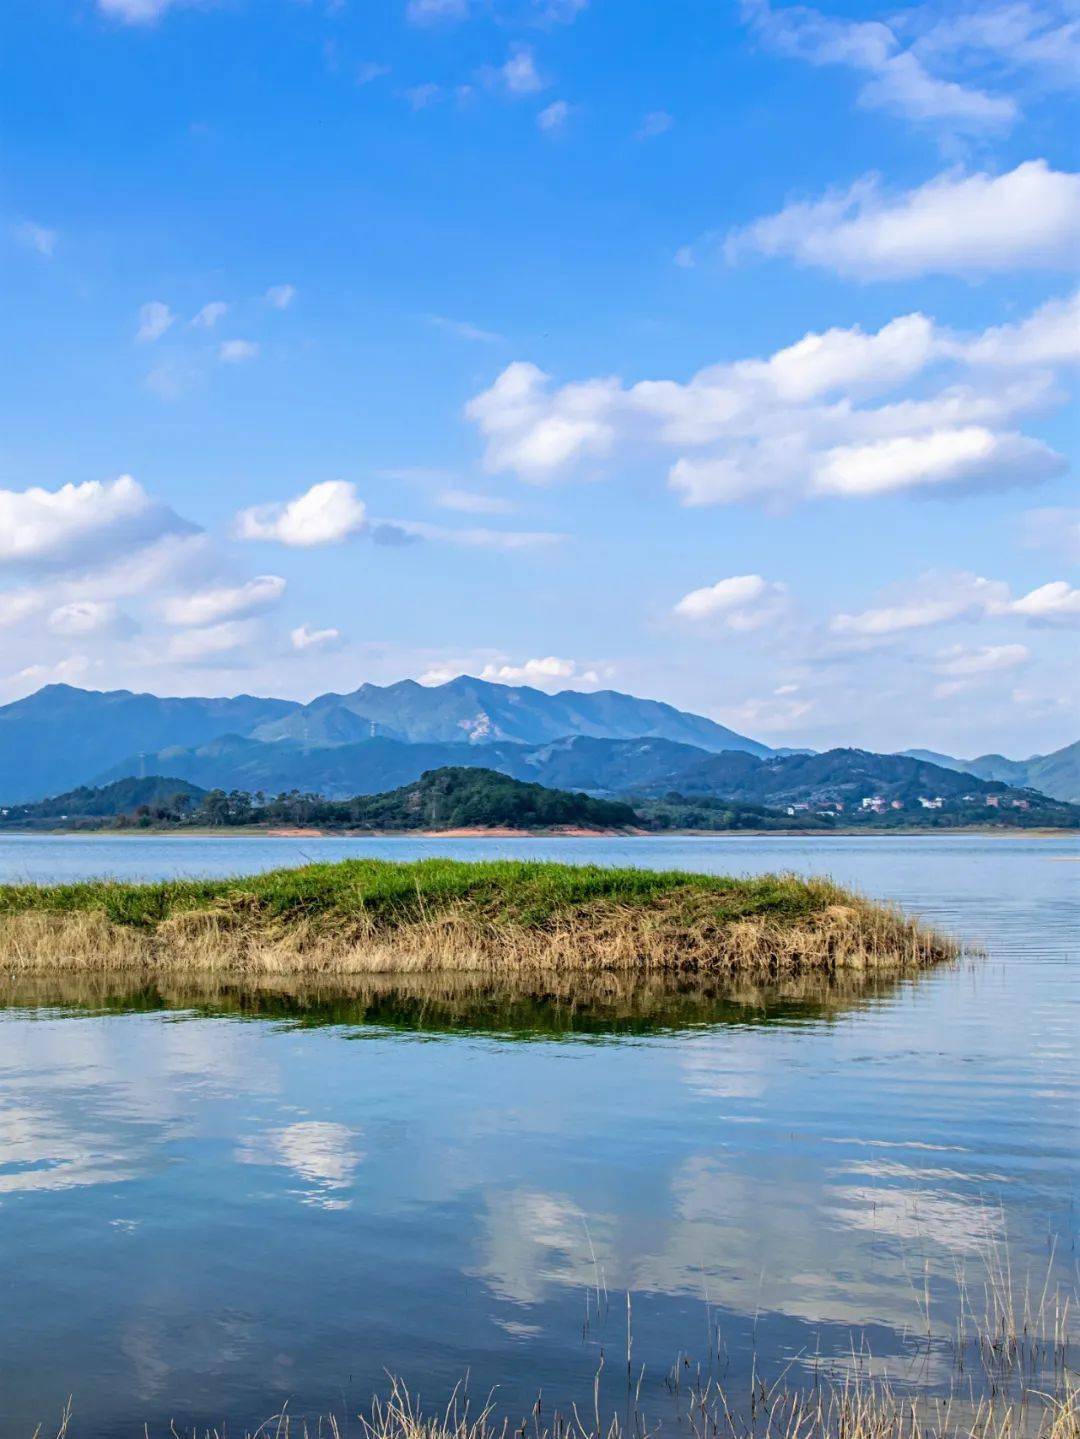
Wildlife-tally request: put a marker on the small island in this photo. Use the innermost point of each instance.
(503, 919)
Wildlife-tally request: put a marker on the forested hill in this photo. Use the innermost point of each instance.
(449, 798)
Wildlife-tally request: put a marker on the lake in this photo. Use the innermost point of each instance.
(214, 1203)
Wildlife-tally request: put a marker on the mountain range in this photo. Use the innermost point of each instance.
(609, 767)
(61, 736)
(380, 737)
(1056, 774)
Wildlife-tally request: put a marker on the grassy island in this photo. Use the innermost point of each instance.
(369, 916)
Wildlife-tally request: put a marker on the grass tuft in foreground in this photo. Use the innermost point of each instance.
(504, 918)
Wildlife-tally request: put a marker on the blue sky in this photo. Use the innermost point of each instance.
(714, 352)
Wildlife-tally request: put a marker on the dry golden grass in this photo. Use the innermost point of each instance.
(855, 1410)
(231, 936)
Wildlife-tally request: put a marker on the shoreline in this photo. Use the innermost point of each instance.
(507, 832)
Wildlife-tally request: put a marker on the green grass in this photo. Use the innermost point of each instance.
(522, 893)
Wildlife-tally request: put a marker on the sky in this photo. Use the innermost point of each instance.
(719, 353)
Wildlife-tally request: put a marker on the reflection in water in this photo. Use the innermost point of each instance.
(601, 1004)
(322, 1154)
(213, 1200)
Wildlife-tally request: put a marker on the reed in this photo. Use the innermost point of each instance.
(856, 1409)
(498, 919)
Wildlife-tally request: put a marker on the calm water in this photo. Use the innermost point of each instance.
(205, 1213)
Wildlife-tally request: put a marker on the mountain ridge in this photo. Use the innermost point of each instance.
(61, 736)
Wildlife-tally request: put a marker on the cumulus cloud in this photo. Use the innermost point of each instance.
(303, 637)
(237, 352)
(83, 617)
(806, 421)
(155, 318)
(209, 315)
(1049, 336)
(966, 225)
(208, 606)
(541, 673)
(281, 296)
(324, 515)
(740, 603)
(83, 523)
(972, 457)
(945, 599)
(1054, 603)
(895, 77)
(518, 74)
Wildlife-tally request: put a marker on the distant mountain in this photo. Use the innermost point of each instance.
(608, 768)
(477, 712)
(123, 796)
(61, 736)
(1056, 774)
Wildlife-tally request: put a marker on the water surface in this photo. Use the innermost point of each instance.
(211, 1202)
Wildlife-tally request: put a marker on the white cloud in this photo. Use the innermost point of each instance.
(541, 673)
(91, 521)
(895, 79)
(464, 330)
(210, 641)
(553, 117)
(470, 503)
(961, 662)
(18, 605)
(209, 315)
(934, 600)
(955, 459)
(281, 296)
(1052, 603)
(324, 515)
(305, 638)
(518, 74)
(533, 431)
(945, 599)
(236, 352)
(740, 603)
(135, 12)
(656, 122)
(208, 606)
(966, 225)
(38, 238)
(155, 318)
(1049, 336)
(426, 11)
(82, 617)
(484, 539)
(964, 669)
(804, 422)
